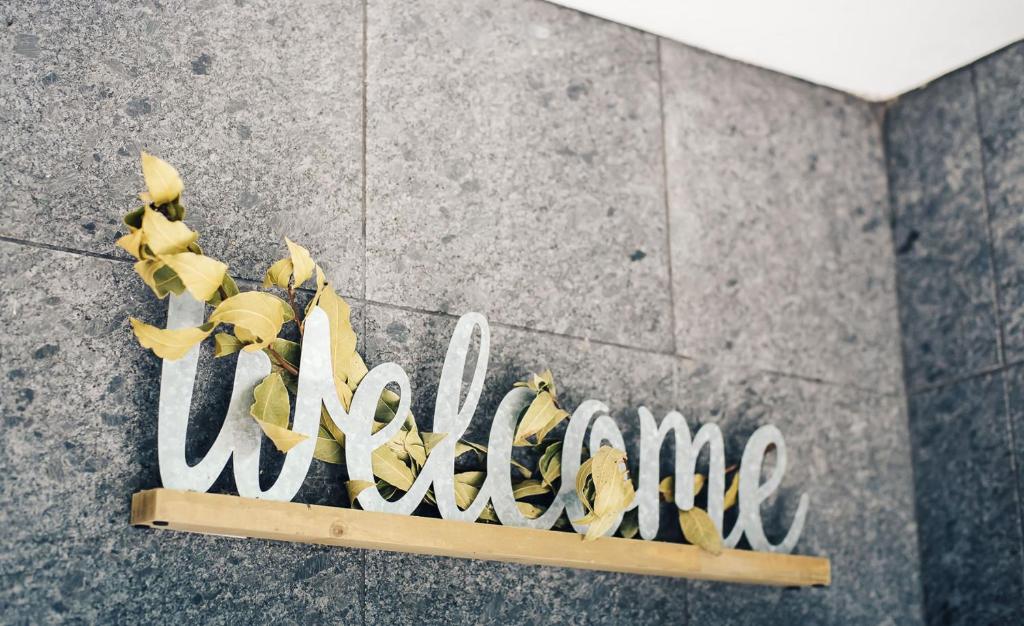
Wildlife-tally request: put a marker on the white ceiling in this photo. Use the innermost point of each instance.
(875, 49)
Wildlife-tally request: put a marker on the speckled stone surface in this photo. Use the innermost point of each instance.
(79, 437)
(943, 254)
(258, 104)
(514, 168)
(461, 592)
(849, 451)
(967, 504)
(999, 80)
(781, 254)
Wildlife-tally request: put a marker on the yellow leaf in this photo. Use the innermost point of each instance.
(162, 180)
(328, 424)
(528, 510)
(389, 468)
(226, 344)
(278, 274)
(527, 488)
(698, 483)
(271, 409)
(699, 530)
(541, 411)
(343, 338)
(732, 492)
(467, 486)
(430, 440)
(201, 274)
(163, 236)
(356, 487)
(270, 401)
(328, 451)
(667, 488)
(550, 464)
(257, 313)
(170, 344)
(585, 472)
(415, 447)
(282, 438)
(302, 263)
(160, 278)
(132, 243)
(613, 489)
(599, 526)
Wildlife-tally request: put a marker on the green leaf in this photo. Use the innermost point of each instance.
(630, 524)
(170, 344)
(202, 275)
(699, 530)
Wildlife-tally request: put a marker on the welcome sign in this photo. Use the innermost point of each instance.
(594, 494)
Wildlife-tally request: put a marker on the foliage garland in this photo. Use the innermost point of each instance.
(170, 261)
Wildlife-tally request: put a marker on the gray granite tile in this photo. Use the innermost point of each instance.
(781, 255)
(967, 505)
(413, 589)
(849, 451)
(514, 168)
(79, 437)
(1014, 381)
(1000, 85)
(258, 105)
(943, 255)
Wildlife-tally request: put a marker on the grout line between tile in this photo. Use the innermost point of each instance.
(998, 304)
(364, 200)
(499, 324)
(664, 190)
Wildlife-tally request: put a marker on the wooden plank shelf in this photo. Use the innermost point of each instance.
(233, 516)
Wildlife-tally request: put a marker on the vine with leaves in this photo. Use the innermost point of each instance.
(170, 261)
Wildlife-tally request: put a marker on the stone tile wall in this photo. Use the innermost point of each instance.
(659, 225)
(956, 167)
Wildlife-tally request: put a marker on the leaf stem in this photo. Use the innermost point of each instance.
(285, 365)
(295, 308)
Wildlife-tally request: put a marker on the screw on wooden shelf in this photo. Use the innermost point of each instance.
(337, 529)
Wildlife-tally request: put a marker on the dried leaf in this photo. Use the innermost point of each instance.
(160, 278)
(163, 184)
(226, 344)
(167, 343)
(732, 492)
(259, 314)
(667, 487)
(202, 275)
(539, 414)
(389, 468)
(328, 424)
(343, 340)
(356, 487)
(162, 236)
(329, 451)
(699, 530)
(430, 441)
(527, 488)
(302, 263)
(278, 274)
(132, 243)
(630, 525)
(271, 410)
(528, 510)
(550, 464)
